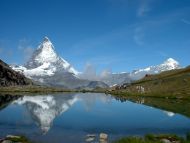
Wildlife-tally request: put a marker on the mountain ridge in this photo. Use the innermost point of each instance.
(113, 79)
(48, 68)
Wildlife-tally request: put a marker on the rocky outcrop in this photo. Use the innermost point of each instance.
(9, 77)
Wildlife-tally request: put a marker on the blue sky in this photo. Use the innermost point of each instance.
(119, 35)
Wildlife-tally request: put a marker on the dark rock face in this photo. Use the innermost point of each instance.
(9, 77)
(5, 99)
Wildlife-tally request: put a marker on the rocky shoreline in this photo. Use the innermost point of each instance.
(103, 138)
(14, 139)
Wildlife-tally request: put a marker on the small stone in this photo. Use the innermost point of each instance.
(90, 139)
(103, 136)
(165, 141)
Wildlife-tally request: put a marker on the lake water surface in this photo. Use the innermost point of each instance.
(69, 117)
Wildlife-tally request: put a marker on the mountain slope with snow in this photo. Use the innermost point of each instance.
(48, 68)
(45, 62)
(120, 78)
(169, 64)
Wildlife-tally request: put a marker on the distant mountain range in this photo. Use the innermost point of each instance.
(48, 68)
(120, 78)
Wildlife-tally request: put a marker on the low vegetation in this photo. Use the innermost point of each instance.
(150, 138)
(15, 139)
(173, 84)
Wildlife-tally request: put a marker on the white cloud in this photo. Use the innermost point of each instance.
(89, 72)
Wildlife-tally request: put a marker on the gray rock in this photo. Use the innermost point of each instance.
(103, 136)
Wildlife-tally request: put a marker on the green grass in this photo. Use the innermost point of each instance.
(43, 89)
(135, 140)
(173, 84)
(20, 139)
(150, 138)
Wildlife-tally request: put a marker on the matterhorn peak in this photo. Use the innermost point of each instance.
(46, 39)
(45, 62)
(46, 44)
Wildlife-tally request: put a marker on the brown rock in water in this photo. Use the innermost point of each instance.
(103, 138)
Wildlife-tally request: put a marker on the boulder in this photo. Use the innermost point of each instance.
(103, 138)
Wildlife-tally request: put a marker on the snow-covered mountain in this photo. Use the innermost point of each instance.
(169, 64)
(48, 68)
(45, 62)
(120, 78)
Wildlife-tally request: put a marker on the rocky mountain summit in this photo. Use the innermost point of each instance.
(47, 68)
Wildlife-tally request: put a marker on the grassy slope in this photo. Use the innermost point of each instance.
(168, 91)
(154, 139)
(32, 89)
(173, 84)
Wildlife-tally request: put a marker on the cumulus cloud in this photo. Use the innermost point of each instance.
(105, 73)
(90, 73)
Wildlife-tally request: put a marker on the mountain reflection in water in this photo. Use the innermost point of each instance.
(44, 109)
(69, 117)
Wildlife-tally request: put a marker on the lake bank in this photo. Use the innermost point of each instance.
(103, 138)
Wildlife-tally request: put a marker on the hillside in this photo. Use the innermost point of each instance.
(9, 77)
(173, 84)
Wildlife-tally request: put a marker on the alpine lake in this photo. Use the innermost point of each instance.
(73, 117)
